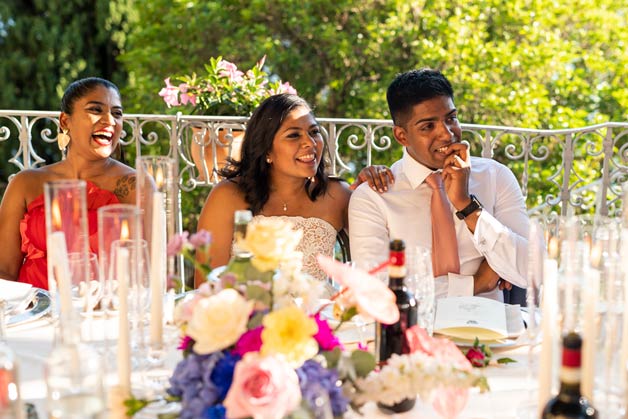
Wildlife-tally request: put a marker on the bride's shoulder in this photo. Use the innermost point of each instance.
(338, 189)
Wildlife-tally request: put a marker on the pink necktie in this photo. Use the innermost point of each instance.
(444, 244)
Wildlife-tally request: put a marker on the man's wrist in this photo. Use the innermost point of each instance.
(473, 206)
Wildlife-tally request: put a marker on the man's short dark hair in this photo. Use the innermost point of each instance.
(413, 87)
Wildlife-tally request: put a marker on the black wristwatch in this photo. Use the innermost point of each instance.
(469, 209)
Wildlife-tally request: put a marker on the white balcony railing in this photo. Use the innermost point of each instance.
(558, 170)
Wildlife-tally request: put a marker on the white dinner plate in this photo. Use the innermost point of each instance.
(521, 340)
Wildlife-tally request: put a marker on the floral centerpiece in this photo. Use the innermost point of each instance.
(261, 347)
(223, 89)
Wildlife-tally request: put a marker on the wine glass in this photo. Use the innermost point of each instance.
(86, 284)
(420, 283)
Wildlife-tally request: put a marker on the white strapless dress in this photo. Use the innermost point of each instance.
(319, 237)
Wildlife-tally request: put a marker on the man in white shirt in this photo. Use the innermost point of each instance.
(488, 208)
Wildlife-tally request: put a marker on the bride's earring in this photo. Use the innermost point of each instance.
(63, 139)
(312, 179)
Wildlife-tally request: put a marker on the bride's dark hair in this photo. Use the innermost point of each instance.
(252, 172)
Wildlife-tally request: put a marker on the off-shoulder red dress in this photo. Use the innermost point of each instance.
(34, 269)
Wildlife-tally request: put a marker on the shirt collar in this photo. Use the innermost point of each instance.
(415, 171)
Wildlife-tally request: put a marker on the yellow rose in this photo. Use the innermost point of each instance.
(289, 332)
(271, 241)
(218, 321)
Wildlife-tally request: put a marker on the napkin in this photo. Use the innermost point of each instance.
(15, 293)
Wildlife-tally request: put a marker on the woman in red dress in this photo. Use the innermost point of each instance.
(91, 124)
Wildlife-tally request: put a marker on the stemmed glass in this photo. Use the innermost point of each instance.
(86, 285)
(420, 282)
(536, 257)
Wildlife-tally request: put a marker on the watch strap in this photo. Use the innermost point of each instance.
(469, 209)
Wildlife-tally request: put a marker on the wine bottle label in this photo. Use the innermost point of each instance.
(397, 271)
(570, 375)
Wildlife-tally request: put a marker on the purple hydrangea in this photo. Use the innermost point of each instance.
(191, 382)
(215, 412)
(222, 374)
(313, 377)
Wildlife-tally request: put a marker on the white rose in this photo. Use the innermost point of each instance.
(271, 241)
(218, 321)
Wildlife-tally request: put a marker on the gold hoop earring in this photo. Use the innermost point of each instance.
(63, 139)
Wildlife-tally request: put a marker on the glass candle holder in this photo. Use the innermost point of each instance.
(115, 222)
(157, 199)
(66, 232)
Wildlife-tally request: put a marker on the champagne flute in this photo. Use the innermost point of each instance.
(536, 256)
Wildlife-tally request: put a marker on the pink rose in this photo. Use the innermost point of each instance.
(263, 387)
(176, 243)
(250, 341)
(325, 336)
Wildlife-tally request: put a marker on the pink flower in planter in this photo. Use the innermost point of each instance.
(170, 94)
(185, 96)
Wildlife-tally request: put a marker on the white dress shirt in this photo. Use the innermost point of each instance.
(403, 212)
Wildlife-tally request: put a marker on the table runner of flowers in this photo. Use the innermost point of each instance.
(261, 347)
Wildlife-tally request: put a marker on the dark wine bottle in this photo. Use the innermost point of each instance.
(391, 338)
(569, 403)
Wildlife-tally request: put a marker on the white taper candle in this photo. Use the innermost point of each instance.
(158, 269)
(124, 347)
(548, 329)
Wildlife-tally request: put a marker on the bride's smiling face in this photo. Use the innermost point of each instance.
(298, 145)
(95, 124)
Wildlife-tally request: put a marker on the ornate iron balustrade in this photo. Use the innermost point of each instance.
(565, 170)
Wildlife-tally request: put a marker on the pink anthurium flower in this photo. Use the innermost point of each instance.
(371, 296)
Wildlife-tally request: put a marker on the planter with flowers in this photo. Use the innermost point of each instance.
(223, 90)
(262, 348)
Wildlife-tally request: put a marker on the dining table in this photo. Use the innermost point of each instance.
(512, 385)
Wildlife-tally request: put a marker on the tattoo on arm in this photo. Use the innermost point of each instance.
(124, 186)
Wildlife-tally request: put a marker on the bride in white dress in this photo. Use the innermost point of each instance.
(281, 173)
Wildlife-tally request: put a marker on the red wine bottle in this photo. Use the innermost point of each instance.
(569, 403)
(391, 338)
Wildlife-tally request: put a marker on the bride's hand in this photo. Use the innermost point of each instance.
(378, 177)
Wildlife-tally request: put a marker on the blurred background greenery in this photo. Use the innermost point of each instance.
(525, 63)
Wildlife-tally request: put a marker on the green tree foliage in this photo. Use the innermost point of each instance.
(538, 64)
(46, 44)
(534, 64)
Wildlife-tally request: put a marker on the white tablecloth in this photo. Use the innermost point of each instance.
(32, 343)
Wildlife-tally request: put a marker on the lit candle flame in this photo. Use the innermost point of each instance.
(56, 215)
(124, 230)
(159, 178)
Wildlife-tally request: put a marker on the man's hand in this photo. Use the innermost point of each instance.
(486, 279)
(456, 171)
